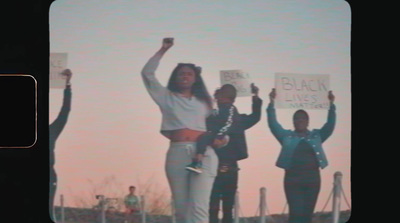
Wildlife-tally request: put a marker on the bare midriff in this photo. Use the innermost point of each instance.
(184, 135)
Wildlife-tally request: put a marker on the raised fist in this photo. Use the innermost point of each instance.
(167, 43)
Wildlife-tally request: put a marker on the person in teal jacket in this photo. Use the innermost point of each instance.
(301, 157)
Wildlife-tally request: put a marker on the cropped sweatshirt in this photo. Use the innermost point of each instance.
(178, 112)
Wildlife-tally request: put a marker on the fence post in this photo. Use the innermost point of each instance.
(173, 218)
(263, 204)
(143, 204)
(236, 208)
(62, 208)
(337, 185)
(102, 201)
(53, 210)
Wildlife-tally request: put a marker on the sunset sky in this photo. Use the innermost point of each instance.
(113, 127)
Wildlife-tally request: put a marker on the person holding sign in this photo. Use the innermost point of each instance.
(185, 105)
(55, 130)
(226, 182)
(219, 124)
(301, 157)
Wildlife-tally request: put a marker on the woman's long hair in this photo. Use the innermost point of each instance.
(199, 89)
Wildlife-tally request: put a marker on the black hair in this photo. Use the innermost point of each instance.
(229, 91)
(301, 111)
(130, 187)
(199, 89)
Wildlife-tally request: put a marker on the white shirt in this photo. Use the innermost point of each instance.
(178, 112)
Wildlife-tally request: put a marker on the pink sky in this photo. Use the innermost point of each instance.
(113, 128)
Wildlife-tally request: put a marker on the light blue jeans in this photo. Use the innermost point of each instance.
(190, 191)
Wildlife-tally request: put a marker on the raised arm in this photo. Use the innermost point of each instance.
(329, 126)
(153, 86)
(273, 124)
(59, 123)
(248, 121)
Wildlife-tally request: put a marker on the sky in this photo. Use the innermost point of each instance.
(113, 127)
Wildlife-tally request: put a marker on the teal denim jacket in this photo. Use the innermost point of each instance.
(289, 139)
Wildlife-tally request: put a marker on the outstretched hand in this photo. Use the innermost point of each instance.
(254, 89)
(272, 95)
(218, 143)
(68, 74)
(167, 43)
(331, 97)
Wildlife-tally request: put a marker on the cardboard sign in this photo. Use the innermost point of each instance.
(239, 79)
(58, 62)
(302, 91)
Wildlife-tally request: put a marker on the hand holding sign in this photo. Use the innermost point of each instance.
(254, 89)
(331, 97)
(68, 75)
(272, 95)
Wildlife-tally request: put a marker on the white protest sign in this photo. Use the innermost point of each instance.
(58, 62)
(302, 91)
(239, 79)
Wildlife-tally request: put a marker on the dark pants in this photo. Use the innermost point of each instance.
(204, 140)
(224, 188)
(52, 189)
(301, 190)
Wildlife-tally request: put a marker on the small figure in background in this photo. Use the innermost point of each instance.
(132, 205)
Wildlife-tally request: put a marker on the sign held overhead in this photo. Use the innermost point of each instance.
(302, 91)
(239, 79)
(58, 63)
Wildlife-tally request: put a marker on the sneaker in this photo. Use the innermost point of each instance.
(194, 167)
